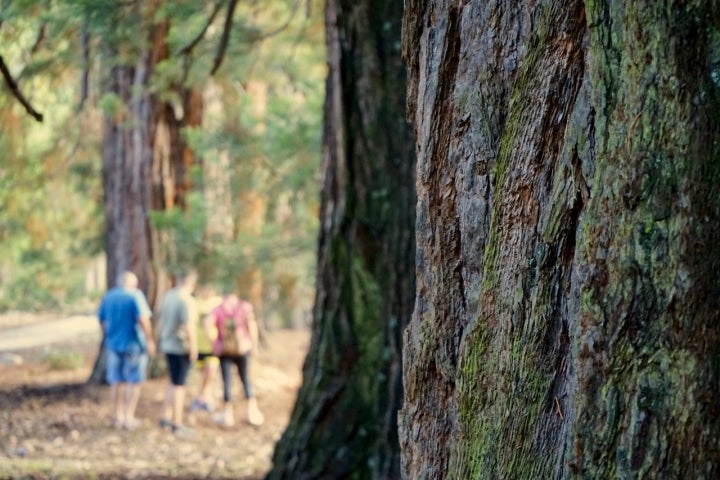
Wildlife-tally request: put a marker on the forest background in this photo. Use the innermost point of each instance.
(562, 318)
(252, 190)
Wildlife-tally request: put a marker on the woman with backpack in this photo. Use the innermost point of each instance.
(237, 337)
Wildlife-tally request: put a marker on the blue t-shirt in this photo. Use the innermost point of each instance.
(119, 312)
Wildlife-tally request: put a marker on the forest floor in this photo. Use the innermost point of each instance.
(54, 425)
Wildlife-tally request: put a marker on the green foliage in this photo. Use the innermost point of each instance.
(49, 174)
(185, 232)
(272, 147)
(261, 130)
(111, 104)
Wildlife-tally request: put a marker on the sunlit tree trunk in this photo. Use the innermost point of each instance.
(171, 159)
(146, 164)
(566, 323)
(344, 422)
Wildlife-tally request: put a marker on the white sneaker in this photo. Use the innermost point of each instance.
(225, 418)
(255, 416)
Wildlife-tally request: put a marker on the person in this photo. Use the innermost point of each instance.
(127, 348)
(145, 312)
(178, 324)
(208, 363)
(235, 316)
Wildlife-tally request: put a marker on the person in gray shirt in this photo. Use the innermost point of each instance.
(178, 341)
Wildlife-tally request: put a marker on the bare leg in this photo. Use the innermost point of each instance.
(167, 406)
(178, 403)
(117, 416)
(208, 378)
(132, 395)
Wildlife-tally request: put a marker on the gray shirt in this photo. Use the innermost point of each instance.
(175, 312)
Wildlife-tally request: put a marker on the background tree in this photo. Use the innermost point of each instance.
(344, 422)
(219, 171)
(50, 189)
(566, 318)
(161, 128)
(146, 161)
(146, 158)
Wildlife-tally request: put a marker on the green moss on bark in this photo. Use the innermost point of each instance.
(636, 344)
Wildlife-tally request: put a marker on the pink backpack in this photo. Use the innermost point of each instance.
(233, 333)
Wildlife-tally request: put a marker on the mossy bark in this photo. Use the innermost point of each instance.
(344, 421)
(568, 284)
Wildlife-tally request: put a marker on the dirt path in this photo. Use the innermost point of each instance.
(41, 333)
(53, 425)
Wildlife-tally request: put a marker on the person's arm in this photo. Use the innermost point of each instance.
(147, 329)
(101, 317)
(191, 328)
(208, 325)
(252, 327)
(145, 320)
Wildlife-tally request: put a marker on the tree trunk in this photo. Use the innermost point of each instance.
(127, 163)
(344, 422)
(566, 317)
(172, 160)
(146, 164)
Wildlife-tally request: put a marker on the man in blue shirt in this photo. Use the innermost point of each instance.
(127, 347)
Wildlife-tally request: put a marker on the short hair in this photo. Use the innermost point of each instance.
(127, 279)
(185, 275)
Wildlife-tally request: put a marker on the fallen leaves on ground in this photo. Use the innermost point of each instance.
(54, 425)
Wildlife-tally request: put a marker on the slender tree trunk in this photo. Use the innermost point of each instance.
(344, 421)
(172, 159)
(568, 284)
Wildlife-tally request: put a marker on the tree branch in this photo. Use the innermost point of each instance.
(222, 47)
(84, 79)
(16, 91)
(225, 38)
(39, 39)
(188, 48)
(282, 27)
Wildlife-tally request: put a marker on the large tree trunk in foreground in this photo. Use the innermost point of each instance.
(344, 421)
(566, 323)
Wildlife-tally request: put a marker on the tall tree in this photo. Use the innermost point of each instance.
(146, 160)
(344, 422)
(566, 317)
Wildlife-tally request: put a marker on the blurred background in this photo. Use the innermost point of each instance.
(229, 92)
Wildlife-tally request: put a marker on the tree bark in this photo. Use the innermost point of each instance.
(127, 163)
(127, 167)
(146, 166)
(344, 422)
(567, 300)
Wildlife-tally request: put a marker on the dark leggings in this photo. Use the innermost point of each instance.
(226, 364)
